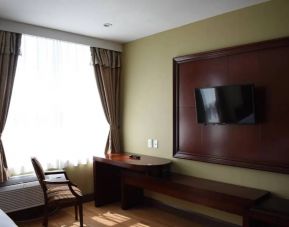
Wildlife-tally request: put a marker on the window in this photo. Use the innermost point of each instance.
(55, 111)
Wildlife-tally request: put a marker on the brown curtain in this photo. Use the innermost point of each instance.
(9, 51)
(107, 73)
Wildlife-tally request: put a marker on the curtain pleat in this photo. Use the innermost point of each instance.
(107, 73)
(9, 50)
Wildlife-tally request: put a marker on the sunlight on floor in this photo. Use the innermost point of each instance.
(110, 219)
(112, 216)
(139, 225)
(75, 224)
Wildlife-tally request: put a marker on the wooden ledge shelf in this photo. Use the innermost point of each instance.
(271, 212)
(231, 198)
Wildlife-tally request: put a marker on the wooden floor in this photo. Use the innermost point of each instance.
(113, 215)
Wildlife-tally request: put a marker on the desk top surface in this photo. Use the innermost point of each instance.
(124, 160)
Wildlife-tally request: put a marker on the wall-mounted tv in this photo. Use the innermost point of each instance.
(233, 104)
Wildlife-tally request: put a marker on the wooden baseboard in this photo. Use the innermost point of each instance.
(199, 218)
(88, 197)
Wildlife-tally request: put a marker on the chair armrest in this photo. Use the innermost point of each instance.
(60, 171)
(55, 172)
(56, 181)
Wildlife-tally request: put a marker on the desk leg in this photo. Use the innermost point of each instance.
(131, 196)
(246, 220)
(107, 179)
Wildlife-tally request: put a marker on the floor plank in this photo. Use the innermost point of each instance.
(113, 215)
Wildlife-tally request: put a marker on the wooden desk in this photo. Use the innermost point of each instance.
(107, 171)
(119, 177)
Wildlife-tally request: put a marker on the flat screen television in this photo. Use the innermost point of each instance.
(233, 104)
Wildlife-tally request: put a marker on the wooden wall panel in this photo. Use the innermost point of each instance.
(264, 145)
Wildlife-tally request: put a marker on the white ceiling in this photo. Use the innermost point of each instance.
(130, 19)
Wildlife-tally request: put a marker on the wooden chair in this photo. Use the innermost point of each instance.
(58, 192)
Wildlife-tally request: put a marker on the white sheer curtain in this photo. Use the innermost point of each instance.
(55, 112)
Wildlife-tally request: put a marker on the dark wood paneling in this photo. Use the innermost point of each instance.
(264, 145)
(211, 69)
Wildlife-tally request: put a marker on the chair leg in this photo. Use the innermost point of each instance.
(80, 214)
(76, 211)
(45, 218)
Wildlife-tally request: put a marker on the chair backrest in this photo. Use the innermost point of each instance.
(39, 172)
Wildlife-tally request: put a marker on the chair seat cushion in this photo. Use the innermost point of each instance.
(57, 193)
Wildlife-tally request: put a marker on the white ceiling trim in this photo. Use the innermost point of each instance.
(28, 29)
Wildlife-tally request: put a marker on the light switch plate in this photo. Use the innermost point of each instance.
(150, 143)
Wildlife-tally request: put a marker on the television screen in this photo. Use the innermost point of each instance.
(232, 104)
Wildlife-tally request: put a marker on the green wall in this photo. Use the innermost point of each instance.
(147, 92)
(82, 176)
